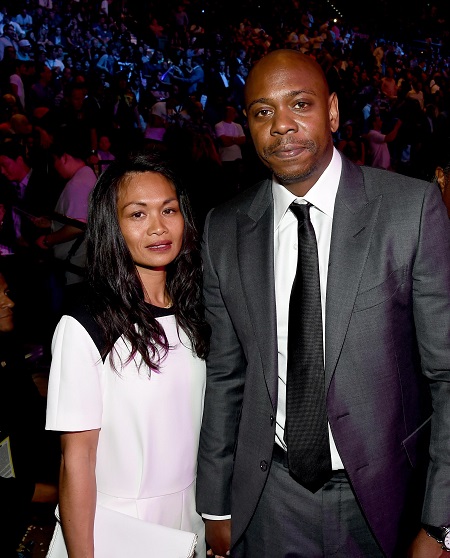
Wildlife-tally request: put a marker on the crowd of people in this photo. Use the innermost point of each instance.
(105, 103)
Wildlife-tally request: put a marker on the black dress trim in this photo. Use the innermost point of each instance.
(82, 314)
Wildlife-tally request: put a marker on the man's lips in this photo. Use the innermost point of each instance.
(286, 150)
(6, 316)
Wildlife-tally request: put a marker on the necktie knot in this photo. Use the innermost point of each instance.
(301, 211)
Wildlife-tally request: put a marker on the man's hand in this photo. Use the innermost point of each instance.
(218, 536)
(424, 546)
(41, 222)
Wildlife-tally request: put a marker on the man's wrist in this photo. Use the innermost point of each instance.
(440, 534)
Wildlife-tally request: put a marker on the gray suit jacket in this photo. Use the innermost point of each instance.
(387, 352)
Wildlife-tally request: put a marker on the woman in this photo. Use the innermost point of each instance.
(127, 376)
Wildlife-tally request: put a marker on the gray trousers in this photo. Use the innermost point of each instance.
(291, 522)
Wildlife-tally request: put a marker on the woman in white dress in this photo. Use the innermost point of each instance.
(127, 377)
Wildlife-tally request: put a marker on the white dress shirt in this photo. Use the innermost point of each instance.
(322, 197)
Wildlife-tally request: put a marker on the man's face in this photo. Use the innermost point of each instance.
(291, 116)
(9, 31)
(77, 98)
(60, 164)
(6, 308)
(12, 169)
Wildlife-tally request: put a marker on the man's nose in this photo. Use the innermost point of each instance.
(283, 123)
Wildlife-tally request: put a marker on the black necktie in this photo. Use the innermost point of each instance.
(306, 429)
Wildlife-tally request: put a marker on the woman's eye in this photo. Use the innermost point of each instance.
(137, 214)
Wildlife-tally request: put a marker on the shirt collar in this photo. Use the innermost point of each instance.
(322, 195)
(26, 178)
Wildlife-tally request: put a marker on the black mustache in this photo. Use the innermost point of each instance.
(280, 144)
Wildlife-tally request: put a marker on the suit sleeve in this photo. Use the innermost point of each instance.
(431, 304)
(226, 366)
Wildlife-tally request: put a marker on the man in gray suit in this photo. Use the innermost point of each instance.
(383, 245)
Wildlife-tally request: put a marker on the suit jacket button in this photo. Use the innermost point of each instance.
(263, 465)
(271, 420)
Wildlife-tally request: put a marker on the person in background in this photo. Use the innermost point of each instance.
(351, 144)
(442, 176)
(104, 154)
(29, 454)
(231, 137)
(378, 154)
(127, 376)
(66, 239)
(27, 198)
(360, 466)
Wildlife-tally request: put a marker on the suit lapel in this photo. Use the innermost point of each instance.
(354, 219)
(256, 268)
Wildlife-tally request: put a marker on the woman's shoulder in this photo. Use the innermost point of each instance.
(82, 314)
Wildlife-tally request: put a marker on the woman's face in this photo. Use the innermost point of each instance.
(150, 220)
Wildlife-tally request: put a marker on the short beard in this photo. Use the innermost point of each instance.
(286, 179)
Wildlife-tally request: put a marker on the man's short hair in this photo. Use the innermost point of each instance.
(68, 140)
(12, 149)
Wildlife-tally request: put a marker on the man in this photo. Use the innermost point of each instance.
(53, 62)
(237, 87)
(67, 237)
(30, 455)
(24, 51)
(24, 70)
(28, 195)
(28, 189)
(8, 39)
(384, 264)
(377, 142)
(231, 137)
(193, 77)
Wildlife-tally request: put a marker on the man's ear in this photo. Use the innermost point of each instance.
(333, 109)
(440, 177)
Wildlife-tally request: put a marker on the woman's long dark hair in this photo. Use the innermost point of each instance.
(116, 294)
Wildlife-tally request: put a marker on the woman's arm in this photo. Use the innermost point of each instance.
(77, 492)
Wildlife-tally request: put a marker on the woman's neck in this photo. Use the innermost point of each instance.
(154, 285)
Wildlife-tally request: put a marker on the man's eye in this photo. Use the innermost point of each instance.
(262, 112)
(300, 104)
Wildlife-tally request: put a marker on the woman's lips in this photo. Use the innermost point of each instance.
(160, 246)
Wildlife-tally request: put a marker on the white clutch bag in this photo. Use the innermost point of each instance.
(117, 535)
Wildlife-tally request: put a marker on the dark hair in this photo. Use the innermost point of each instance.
(69, 140)
(13, 149)
(116, 294)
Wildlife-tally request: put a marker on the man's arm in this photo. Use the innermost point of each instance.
(227, 141)
(431, 307)
(223, 401)
(65, 234)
